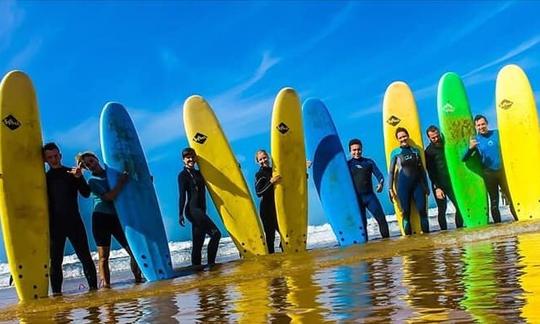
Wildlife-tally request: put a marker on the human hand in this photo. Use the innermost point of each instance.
(182, 220)
(123, 178)
(379, 187)
(473, 143)
(76, 171)
(275, 179)
(439, 193)
(392, 194)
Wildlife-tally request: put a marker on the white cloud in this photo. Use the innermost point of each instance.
(21, 59)
(10, 19)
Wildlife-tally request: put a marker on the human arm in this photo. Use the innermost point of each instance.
(182, 192)
(473, 148)
(378, 174)
(391, 176)
(113, 193)
(422, 171)
(263, 184)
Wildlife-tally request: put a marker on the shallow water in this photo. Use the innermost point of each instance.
(486, 275)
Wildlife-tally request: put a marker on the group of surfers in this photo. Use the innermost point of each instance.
(407, 184)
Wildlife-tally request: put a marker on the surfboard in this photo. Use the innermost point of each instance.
(289, 161)
(530, 271)
(519, 133)
(137, 205)
(330, 173)
(399, 110)
(224, 179)
(457, 128)
(23, 190)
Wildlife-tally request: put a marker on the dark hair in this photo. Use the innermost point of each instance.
(49, 147)
(79, 158)
(478, 117)
(354, 141)
(188, 151)
(431, 128)
(401, 129)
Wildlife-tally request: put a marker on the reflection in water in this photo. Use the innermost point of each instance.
(417, 279)
(529, 249)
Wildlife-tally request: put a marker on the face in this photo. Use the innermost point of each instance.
(434, 136)
(356, 151)
(262, 159)
(481, 126)
(190, 160)
(403, 139)
(53, 158)
(91, 163)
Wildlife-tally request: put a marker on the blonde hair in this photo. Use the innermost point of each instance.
(259, 152)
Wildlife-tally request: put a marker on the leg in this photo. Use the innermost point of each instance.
(215, 235)
(452, 198)
(269, 229)
(198, 241)
(375, 208)
(421, 205)
(506, 192)
(441, 211)
(118, 233)
(404, 198)
(77, 237)
(58, 241)
(492, 186)
(362, 205)
(104, 271)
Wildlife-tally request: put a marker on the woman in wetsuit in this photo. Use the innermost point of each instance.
(264, 188)
(105, 222)
(409, 177)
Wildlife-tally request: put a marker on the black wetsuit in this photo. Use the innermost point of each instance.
(440, 178)
(192, 199)
(362, 171)
(65, 222)
(267, 208)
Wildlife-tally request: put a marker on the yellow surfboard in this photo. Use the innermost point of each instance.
(519, 131)
(289, 161)
(23, 190)
(399, 110)
(223, 177)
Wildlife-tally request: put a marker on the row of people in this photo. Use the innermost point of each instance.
(407, 176)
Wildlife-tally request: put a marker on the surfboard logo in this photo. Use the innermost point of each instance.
(200, 138)
(393, 120)
(448, 108)
(506, 104)
(282, 128)
(11, 122)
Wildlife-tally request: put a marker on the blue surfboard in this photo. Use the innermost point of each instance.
(137, 205)
(330, 173)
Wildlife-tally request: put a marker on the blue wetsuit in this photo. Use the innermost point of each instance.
(490, 155)
(407, 172)
(362, 171)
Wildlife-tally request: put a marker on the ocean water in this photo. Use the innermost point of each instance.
(484, 275)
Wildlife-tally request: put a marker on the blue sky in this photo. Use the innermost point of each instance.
(151, 56)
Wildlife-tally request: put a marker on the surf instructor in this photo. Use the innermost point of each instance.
(192, 200)
(486, 143)
(63, 184)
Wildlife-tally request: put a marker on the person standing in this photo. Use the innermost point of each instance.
(105, 222)
(437, 170)
(264, 188)
(486, 143)
(362, 170)
(192, 200)
(63, 184)
(409, 177)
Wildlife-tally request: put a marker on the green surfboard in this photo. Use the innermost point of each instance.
(457, 127)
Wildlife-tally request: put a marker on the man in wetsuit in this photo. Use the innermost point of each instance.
(362, 170)
(63, 183)
(439, 176)
(192, 199)
(486, 143)
(408, 174)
